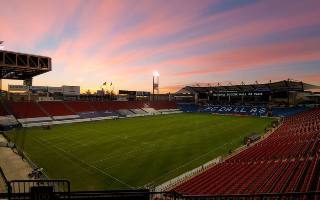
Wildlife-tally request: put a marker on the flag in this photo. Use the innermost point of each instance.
(111, 83)
(105, 83)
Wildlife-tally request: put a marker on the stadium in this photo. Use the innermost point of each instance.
(243, 140)
(204, 141)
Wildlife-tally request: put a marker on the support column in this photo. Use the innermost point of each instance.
(196, 98)
(28, 82)
(8, 94)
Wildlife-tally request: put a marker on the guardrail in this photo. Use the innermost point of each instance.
(3, 181)
(314, 195)
(50, 189)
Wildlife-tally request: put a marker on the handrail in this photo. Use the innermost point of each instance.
(255, 195)
(3, 176)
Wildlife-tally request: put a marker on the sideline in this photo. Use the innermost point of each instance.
(85, 163)
(12, 164)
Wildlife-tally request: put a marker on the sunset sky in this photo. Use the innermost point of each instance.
(187, 41)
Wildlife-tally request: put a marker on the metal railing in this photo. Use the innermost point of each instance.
(37, 189)
(3, 181)
(48, 190)
(315, 195)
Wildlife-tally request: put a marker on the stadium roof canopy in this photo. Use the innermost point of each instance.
(21, 66)
(285, 85)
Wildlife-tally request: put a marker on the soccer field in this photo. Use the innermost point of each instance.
(130, 153)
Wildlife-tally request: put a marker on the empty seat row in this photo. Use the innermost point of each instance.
(22, 110)
(286, 161)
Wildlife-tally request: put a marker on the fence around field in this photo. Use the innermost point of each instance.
(60, 189)
(25, 156)
(47, 191)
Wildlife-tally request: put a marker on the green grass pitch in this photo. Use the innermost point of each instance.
(130, 153)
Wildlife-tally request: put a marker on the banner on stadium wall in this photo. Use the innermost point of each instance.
(19, 88)
(66, 90)
(55, 90)
(235, 94)
(24, 88)
(71, 90)
(142, 93)
(244, 110)
(38, 89)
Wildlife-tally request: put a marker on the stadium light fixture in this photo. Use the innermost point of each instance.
(155, 83)
(1, 45)
(156, 74)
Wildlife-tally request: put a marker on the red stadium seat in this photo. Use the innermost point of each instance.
(26, 110)
(56, 108)
(286, 161)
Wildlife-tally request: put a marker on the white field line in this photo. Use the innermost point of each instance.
(125, 138)
(190, 161)
(71, 144)
(89, 165)
(62, 155)
(111, 155)
(181, 166)
(128, 153)
(188, 175)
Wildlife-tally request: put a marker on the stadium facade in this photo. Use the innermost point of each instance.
(286, 93)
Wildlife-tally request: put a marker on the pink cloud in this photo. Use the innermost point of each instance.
(27, 23)
(109, 54)
(253, 29)
(246, 58)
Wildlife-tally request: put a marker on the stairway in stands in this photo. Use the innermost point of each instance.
(42, 109)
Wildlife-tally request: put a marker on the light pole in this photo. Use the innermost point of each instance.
(1, 48)
(1, 45)
(155, 83)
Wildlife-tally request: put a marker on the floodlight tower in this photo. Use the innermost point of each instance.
(1, 45)
(1, 48)
(155, 84)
